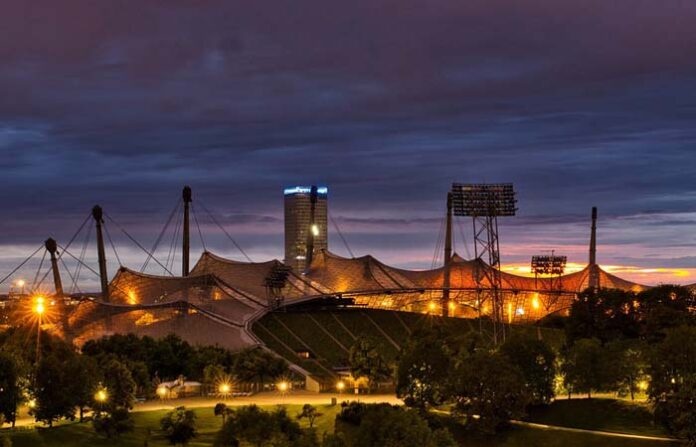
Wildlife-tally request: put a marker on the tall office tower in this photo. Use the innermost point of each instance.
(306, 222)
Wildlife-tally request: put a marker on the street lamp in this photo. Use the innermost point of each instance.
(39, 308)
(431, 307)
(224, 389)
(101, 396)
(283, 387)
(340, 386)
(20, 284)
(162, 391)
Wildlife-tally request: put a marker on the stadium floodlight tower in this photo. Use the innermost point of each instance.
(553, 267)
(484, 203)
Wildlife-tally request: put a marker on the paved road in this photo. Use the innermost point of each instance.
(267, 398)
(595, 432)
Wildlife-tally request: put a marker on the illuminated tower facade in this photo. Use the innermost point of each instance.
(306, 222)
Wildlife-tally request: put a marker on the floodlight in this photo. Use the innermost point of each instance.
(549, 265)
(494, 199)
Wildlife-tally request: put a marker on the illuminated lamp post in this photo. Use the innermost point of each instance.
(224, 389)
(100, 399)
(340, 386)
(39, 308)
(161, 391)
(283, 387)
(20, 284)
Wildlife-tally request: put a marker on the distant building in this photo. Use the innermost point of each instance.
(298, 224)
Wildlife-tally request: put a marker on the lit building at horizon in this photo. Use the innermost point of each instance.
(299, 223)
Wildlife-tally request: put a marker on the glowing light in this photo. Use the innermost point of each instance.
(322, 190)
(519, 311)
(39, 306)
(283, 386)
(20, 283)
(32, 403)
(132, 298)
(509, 312)
(452, 305)
(340, 386)
(101, 396)
(643, 385)
(432, 306)
(535, 301)
(162, 391)
(315, 230)
(224, 388)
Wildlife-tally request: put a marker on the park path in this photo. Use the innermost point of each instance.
(595, 432)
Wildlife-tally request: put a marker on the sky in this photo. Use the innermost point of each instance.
(578, 103)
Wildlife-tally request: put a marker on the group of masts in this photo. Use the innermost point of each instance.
(494, 286)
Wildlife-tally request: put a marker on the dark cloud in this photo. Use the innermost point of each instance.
(579, 103)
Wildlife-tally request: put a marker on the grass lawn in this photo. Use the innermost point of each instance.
(599, 414)
(82, 435)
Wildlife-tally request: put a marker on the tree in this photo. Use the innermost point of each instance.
(86, 377)
(10, 387)
(673, 382)
(52, 399)
(119, 383)
(227, 436)
(423, 371)
(605, 314)
(626, 364)
(114, 423)
(379, 425)
(665, 307)
(256, 366)
(487, 386)
(333, 440)
(442, 438)
(213, 373)
(535, 360)
(258, 427)
(587, 368)
(179, 426)
(221, 410)
(366, 361)
(172, 357)
(309, 412)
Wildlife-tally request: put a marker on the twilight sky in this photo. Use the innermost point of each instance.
(579, 103)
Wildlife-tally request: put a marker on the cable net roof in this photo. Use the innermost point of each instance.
(346, 275)
(226, 295)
